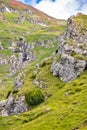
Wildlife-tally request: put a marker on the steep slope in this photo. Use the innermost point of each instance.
(19, 20)
(38, 16)
(16, 17)
(65, 107)
(65, 104)
(23, 31)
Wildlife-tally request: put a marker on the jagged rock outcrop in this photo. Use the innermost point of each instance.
(24, 56)
(71, 57)
(46, 43)
(18, 81)
(12, 106)
(17, 63)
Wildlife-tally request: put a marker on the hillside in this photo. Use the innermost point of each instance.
(36, 15)
(19, 20)
(31, 98)
(23, 31)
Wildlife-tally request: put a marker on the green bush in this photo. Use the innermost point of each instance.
(34, 97)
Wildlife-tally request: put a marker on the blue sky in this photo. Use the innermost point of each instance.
(61, 9)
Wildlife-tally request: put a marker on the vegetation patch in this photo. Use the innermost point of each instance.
(34, 97)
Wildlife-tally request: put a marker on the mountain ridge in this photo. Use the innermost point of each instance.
(14, 4)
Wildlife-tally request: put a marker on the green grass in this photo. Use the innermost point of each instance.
(67, 107)
(12, 31)
(39, 52)
(81, 20)
(78, 56)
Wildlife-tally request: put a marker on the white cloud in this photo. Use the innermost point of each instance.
(61, 9)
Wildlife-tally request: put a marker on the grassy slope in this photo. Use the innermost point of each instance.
(11, 31)
(81, 20)
(39, 15)
(66, 109)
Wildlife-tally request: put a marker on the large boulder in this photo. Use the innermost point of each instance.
(68, 68)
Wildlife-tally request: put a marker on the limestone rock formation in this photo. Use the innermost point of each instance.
(71, 57)
(12, 106)
(18, 81)
(24, 56)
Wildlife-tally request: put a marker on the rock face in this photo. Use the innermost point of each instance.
(24, 56)
(18, 81)
(12, 106)
(71, 56)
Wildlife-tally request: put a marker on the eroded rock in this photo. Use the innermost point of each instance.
(72, 51)
(12, 106)
(18, 81)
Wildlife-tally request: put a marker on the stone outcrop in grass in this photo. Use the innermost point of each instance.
(72, 50)
(12, 106)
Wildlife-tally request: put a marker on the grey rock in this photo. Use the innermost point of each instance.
(18, 81)
(36, 83)
(3, 61)
(13, 44)
(72, 44)
(68, 68)
(24, 55)
(4, 113)
(14, 64)
(11, 48)
(55, 68)
(12, 106)
(2, 104)
(37, 66)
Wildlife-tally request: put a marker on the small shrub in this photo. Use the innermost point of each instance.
(34, 97)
